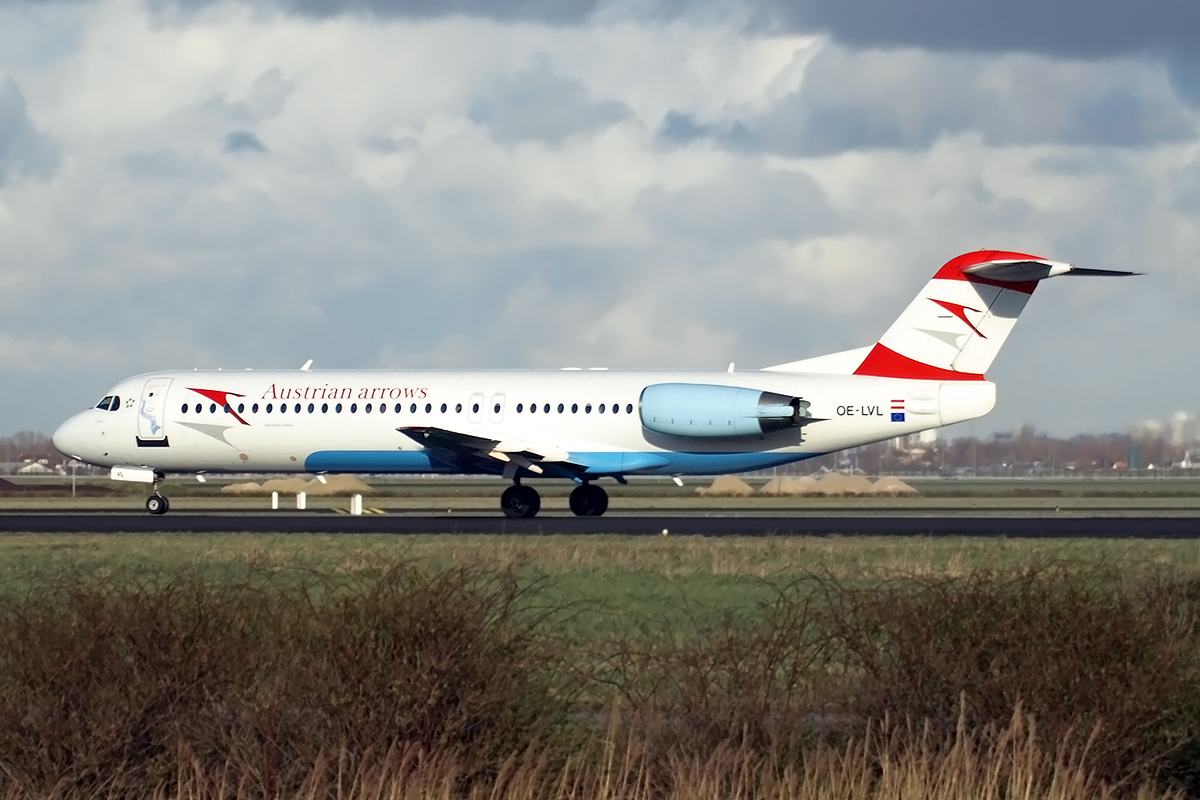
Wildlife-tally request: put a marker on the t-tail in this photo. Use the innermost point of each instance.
(957, 324)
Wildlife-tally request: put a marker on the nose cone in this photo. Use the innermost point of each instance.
(71, 437)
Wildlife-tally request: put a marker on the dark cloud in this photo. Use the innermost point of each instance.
(875, 99)
(243, 142)
(1059, 28)
(538, 105)
(24, 150)
(553, 12)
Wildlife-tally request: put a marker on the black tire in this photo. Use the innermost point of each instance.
(520, 502)
(157, 504)
(588, 500)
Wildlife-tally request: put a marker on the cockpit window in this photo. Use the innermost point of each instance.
(106, 403)
(115, 404)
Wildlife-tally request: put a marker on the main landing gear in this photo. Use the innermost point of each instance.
(588, 500)
(522, 502)
(157, 504)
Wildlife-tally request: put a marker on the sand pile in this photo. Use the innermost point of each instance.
(334, 485)
(892, 486)
(837, 484)
(726, 486)
(787, 485)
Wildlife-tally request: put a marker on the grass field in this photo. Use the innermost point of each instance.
(349, 666)
(621, 578)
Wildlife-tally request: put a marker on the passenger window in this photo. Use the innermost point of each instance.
(283, 408)
(412, 409)
(601, 409)
(574, 408)
(338, 408)
(443, 408)
(354, 408)
(226, 408)
(399, 408)
(241, 408)
(533, 408)
(560, 408)
(428, 407)
(311, 408)
(324, 408)
(629, 408)
(184, 409)
(458, 408)
(587, 409)
(368, 408)
(254, 408)
(199, 408)
(212, 409)
(297, 408)
(475, 408)
(546, 408)
(520, 407)
(270, 407)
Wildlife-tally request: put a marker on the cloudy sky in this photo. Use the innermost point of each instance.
(546, 183)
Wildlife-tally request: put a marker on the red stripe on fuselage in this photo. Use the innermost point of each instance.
(883, 362)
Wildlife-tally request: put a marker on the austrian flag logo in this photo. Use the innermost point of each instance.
(898, 410)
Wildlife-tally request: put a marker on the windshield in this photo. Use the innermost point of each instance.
(106, 403)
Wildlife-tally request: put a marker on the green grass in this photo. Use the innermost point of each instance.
(673, 579)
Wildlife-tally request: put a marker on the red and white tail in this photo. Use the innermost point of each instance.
(957, 324)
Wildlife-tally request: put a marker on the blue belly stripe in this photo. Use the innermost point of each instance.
(599, 463)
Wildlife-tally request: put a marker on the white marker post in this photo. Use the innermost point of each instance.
(301, 501)
(356, 505)
(274, 501)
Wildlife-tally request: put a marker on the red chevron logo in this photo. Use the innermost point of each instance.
(221, 399)
(960, 311)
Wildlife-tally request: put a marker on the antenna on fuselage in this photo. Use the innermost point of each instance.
(307, 364)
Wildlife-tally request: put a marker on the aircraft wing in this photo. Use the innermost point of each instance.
(472, 453)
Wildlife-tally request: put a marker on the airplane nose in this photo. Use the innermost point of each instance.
(70, 439)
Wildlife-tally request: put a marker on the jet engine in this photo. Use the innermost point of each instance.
(708, 411)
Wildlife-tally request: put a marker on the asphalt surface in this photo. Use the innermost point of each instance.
(1047, 527)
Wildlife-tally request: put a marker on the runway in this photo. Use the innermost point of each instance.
(1034, 527)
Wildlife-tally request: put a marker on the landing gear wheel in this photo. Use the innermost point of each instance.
(157, 504)
(520, 502)
(588, 500)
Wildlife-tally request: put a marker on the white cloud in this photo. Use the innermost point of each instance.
(242, 187)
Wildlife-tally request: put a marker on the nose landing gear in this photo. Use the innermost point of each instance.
(157, 504)
(588, 500)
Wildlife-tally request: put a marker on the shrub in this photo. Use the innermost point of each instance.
(108, 683)
(1083, 653)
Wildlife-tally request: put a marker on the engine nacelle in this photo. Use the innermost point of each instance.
(708, 411)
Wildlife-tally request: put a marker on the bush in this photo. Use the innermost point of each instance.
(108, 684)
(1083, 654)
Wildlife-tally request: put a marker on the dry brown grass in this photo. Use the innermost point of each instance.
(888, 763)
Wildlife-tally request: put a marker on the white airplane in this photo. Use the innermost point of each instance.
(927, 371)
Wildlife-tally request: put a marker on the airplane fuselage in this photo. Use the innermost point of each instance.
(348, 421)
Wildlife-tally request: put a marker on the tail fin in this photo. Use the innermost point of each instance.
(957, 324)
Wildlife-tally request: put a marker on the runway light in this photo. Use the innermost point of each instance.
(666, 532)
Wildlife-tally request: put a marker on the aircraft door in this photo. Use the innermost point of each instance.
(152, 411)
(476, 408)
(496, 411)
